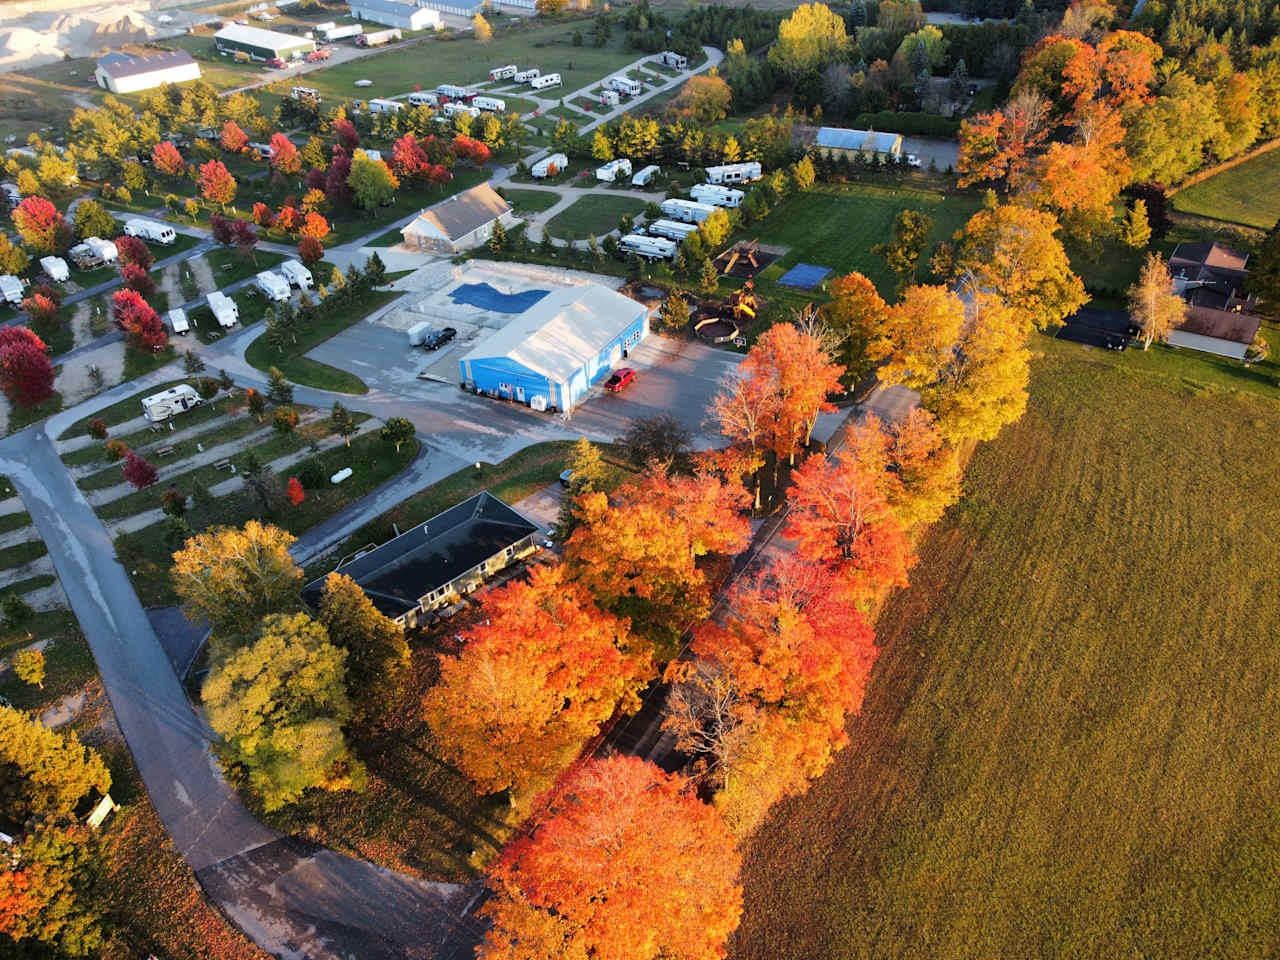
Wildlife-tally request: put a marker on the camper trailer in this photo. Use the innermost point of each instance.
(272, 285)
(424, 98)
(610, 98)
(55, 268)
(11, 289)
(504, 73)
(492, 104)
(224, 309)
(645, 176)
(686, 211)
(549, 166)
(378, 105)
(672, 59)
(632, 88)
(340, 33)
(453, 109)
(169, 403)
(527, 76)
(378, 37)
(671, 229)
(152, 230)
(305, 93)
(734, 173)
(714, 193)
(453, 91)
(650, 248)
(545, 81)
(105, 250)
(612, 170)
(297, 274)
(84, 257)
(263, 150)
(178, 321)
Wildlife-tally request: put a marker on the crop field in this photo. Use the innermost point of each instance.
(1248, 194)
(836, 226)
(1068, 743)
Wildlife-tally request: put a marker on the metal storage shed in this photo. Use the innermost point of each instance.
(125, 73)
(550, 355)
(846, 142)
(393, 13)
(261, 44)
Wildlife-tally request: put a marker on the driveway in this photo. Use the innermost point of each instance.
(942, 152)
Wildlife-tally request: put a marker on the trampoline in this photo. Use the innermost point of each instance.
(485, 297)
(804, 275)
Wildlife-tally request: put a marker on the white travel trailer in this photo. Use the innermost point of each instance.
(224, 309)
(272, 285)
(492, 104)
(504, 73)
(687, 211)
(453, 109)
(645, 176)
(340, 33)
(11, 289)
(610, 98)
(169, 403)
(613, 169)
(549, 166)
(55, 268)
(527, 76)
(632, 88)
(178, 321)
(672, 59)
(650, 248)
(734, 173)
(424, 98)
(671, 229)
(716, 194)
(378, 105)
(105, 250)
(453, 91)
(152, 230)
(305, 93)
(297, 274)
(545, 81)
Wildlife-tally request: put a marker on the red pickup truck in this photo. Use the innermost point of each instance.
(316, 55)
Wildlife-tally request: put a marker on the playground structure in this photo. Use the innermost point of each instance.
(746, 259)
(717, 323)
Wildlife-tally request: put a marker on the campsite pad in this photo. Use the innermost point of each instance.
(486, 297)
(804, 275)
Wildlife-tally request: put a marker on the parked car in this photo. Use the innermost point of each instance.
(1116, 343)
(438, 338)
(621, 377)
(566, 478)
(913, 160)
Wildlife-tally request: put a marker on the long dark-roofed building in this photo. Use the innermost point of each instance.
(437, 562)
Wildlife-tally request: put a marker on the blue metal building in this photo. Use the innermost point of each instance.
(550, 355)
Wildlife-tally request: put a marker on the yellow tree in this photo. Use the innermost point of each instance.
(533, 683)
(44, 772)
(809, 39)
(918, 336)
(377, 654)
(926, 469)
(484, 32)
(854, 315)
(1153, 305)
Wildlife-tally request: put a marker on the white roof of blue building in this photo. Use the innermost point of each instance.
(841, 138)
(387, 6)
(564, 330)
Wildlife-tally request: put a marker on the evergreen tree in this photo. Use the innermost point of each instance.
(587, 473)
(279, 389)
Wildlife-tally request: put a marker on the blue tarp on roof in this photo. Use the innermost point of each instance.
(487, 298)
(804, 275)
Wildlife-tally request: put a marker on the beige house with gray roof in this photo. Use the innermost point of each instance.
(459, 223)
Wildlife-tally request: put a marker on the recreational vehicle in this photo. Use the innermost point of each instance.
(378, 105)
(168, 403)
(272, 285)
(527, 76)
(492, 104)
(645, 176)
(453, 109)
(632, 88)
(504, 73)
(305, 93)
(671, 229)
(716, 194)
(55, 268)
(263, 150)
(650, 248)
(549, 166)
(545, 81)
(224, 309)
(378, 37)
(340, 33)
(424, 98)
(105, 250)
(613, 169)
(734, 173)
(178, 321)
(297, 274)
(687, 211)
(610, 98)
(453, 91)
(152, 230)
(11, 289)
(672, 59)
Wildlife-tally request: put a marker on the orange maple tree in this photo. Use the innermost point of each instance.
(533, 683)
(628, 865)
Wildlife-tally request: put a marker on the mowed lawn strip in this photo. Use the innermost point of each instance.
(1068, 743)
(593, 216)
(531, 201)
(1247, 194)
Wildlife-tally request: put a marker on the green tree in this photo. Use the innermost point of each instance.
(15, 611)
(397, 430)
(344, 424)
(674, 312)
(375, 271)
(377, 654)
(911, 231)
(44, 773)
(1264, 272)
(708, 276)
(371, 181)
(587, 473)
(1136, 231)
(279, 705)
(92, 220)
(498, 239)
(279, 389)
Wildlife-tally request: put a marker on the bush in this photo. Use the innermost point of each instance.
(98, 429)
(116, 450)
(910, 124)
(207, 387)
(311, 476)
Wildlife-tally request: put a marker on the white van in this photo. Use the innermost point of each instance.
(262, 149)
(178, 321)
(671, 229)
(152, 230)
(305, 93)
(224, 309)
(734, 172)
(452, 91)
(55, 268)
(645, 176)
(297, 274)
(272, 285)
(161, 406)
(543, 82)
(424, 98)
(610, 98)
(453, 109)
(549, 166)
(11, 289)
(612, 170)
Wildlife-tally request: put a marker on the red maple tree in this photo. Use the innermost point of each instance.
(135, 278)
(138, 471)
(233, 138)
(142, 326)
(41, 225)
(346, 137)
(310, 251)
(314, 225)
(26, 373)
(262, 215)
(295, 492)
(217, 185)
(167, 160)
(132, 250)
(284, 155)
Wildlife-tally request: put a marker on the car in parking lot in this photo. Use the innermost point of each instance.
(621, 377)
(438, 338)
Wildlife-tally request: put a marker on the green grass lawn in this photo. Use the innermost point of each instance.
(14, 521)
(22, 417)
(21, 553)
(229, 267)
(124, 410)
(837, 225)
(329, 322)
(1248, 194)
(530, 201)
(593, 215)
(1067, 747)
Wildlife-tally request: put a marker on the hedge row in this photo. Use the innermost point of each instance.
(911, 124)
